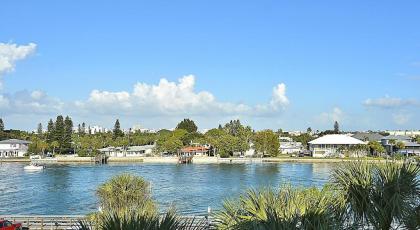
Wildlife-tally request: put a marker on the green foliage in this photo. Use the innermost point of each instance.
(336, 127)
(379, 195)
(117, 130)
(400, 145)
(1, 125)
(376, 148)
(303, 138)
(223, 142)
(126, 193)
(287, 208)
(267, 142)
(171, 142)
(50, 131)
(187, 125)
(39, 129)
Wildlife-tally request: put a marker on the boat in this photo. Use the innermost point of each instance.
(34, 167)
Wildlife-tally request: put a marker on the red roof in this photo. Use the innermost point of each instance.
(194, 149)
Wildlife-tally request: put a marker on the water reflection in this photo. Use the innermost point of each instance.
(70, 189)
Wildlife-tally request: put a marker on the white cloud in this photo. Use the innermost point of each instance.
(11, 53)
(401, 118)
(390, 102)
(25, 102)
(174, 98)
(279, 98)
(330, 117)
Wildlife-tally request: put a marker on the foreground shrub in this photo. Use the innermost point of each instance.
(126, 193)
(287, 208)
(380, 195)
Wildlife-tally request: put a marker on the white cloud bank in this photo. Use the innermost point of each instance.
(10, 54)
(330, 117)
(175, 98)
(390, 102)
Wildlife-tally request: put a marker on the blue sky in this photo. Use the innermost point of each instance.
(353, 61)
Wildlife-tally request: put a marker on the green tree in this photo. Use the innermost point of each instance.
(39, 129)
(187, 125)
(379, 195)
(376, 148)
(117, 129)
(336, 127)
(54, 145)
(68, 131)
(50, 131)
(309, 130)
(126, 193)
(171, 142)
(417, 139)
(59, 132)
(222, 142)
(1, 125)
(267, 142)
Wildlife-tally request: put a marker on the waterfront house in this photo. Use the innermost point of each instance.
(410, 147)
(332, 145)
(131, 151)
(195, 151)
(367, 137)
(288, 146)
(13, 148)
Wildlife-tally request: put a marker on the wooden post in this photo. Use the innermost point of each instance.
(42, 223)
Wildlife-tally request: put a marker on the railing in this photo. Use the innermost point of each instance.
(45, 222)
(69, 222)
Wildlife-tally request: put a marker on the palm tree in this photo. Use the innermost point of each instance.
(287, 208)
(126, 193)
(379, 195)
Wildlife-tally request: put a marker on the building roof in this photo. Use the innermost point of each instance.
(14, 141)
(411, 144)
(194, 149)
(139, 148)
(398, 138)
(336, 139)
(368, 136)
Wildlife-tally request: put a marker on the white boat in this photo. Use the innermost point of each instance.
(34, 167)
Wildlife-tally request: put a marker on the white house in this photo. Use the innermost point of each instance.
(132, 151)
(288, 146)
(329, 145)
(13, 148)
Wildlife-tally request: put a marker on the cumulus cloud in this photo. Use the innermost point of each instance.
(25, 102)
(174, 98)
(390, 102)
(329, 117)
(11, 53)
(279, 98)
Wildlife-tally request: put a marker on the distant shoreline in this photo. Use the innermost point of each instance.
(196, 160)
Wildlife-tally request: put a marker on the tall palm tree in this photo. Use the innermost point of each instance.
(379, 195)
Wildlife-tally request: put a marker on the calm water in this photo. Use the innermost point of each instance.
(70, 189)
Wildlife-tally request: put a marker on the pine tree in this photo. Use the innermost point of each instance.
(336, 127)
(68, 130)
(39, 130)
(50, 131)
(1, 125)
(83, 128)
(117, 130)
(79, 129)
(59, 131)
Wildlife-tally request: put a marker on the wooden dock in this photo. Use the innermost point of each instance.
(185, 159)
(70, 222)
